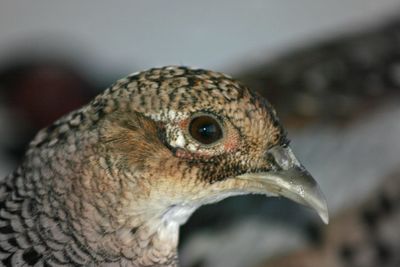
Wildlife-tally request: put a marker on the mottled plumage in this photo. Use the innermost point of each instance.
(110, 183)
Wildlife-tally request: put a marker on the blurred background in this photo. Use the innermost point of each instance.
(331, 68)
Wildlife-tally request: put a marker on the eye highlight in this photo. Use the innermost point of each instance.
(205, 129)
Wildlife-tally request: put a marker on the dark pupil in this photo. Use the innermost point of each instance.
(205, 129)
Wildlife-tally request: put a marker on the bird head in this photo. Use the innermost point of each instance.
(186, 137)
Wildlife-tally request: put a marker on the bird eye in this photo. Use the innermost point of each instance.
(205, 129)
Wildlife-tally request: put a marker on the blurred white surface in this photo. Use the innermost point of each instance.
(130, 35)
(246, 243)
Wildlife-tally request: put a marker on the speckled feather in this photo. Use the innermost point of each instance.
(99, 187)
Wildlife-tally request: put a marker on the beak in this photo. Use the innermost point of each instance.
(290, 179)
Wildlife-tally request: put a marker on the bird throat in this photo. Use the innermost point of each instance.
(178, 214)
(157, 239)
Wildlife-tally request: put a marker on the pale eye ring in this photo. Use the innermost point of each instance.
(205, 129)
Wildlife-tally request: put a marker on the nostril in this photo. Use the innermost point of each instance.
(283, 157)
(269, 157)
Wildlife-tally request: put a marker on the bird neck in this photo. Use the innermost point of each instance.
(177, 214)
(155, 242)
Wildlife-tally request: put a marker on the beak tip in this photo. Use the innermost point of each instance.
(318, 202)
(326, 220)
(323, 214)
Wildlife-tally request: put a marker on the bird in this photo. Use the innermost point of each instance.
(110, 184)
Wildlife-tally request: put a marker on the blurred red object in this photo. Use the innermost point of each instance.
(42, 93)
(36, 93)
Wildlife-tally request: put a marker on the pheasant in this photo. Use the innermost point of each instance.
(110, 184)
